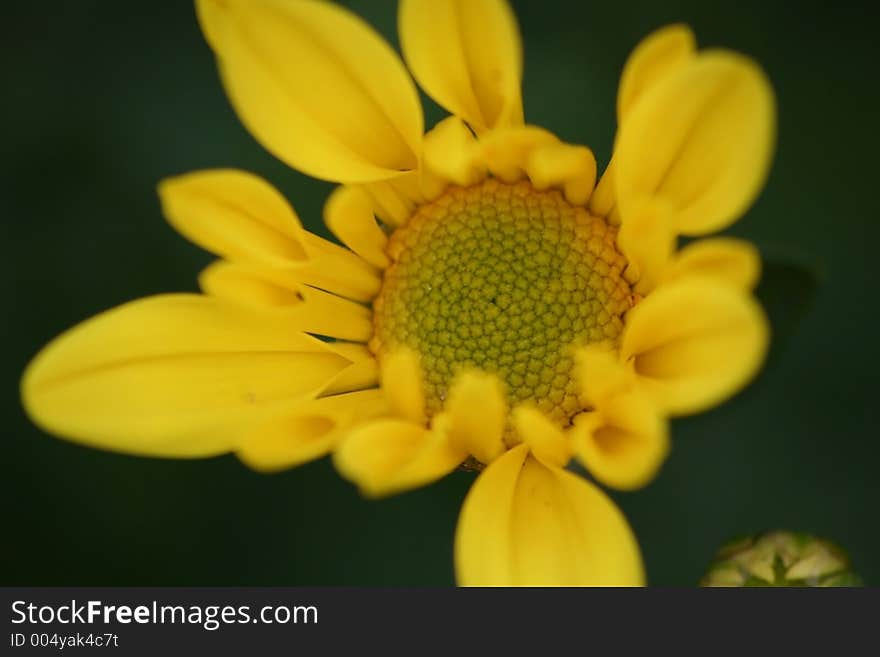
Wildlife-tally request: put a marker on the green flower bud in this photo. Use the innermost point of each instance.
(780, 558)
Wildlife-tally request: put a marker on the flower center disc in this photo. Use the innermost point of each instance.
(506, 279)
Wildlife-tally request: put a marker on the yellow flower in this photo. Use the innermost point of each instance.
(493, 307)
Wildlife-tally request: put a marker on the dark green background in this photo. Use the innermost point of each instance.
(102, 99)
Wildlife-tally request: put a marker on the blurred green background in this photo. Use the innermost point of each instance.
(102, 99)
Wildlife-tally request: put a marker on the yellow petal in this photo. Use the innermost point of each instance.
(701, 139)
(307, 309)
(466, 54)
(362, 372)
(601, 374)
(402, 383)
(694, 342)
(326, 314)
(242, 218)
(316, 86)
(477, 415)
(725, 259)
(566, 166)
(409, 186)
(660, 53)
(523, 523)
(173, 375)
(654, 58)
(484, 548)
(623, 442)
(544, 438)
(602, 200)
(335, 269)
(308, 432)
(389, 456)
(348, 213)
(389, 202)
(452, 152)
(253, 285)
(647, 239)
(234, 214)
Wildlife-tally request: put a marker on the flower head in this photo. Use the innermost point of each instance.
(781, 558)
(492, 307)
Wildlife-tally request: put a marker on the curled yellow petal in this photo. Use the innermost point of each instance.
(389, 456)
(623, 442)
(725, 259)
(466, 54)
(694, 342)
(452, 152)
(402, 383)
(507, 152)
(233, 214)
(173, 375)
(316, 86)
(654, 58)
(348, 213)
(308, 432)
(477, 414)
(524, 524)
(701, 139)
(566, 166)
(546, 440)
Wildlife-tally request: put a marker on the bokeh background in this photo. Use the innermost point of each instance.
(102, 99)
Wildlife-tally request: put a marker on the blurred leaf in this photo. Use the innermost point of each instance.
(787, 291)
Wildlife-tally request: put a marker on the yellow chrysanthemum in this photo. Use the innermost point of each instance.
(494, 308)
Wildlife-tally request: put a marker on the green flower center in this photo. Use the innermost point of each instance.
(506, 279)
